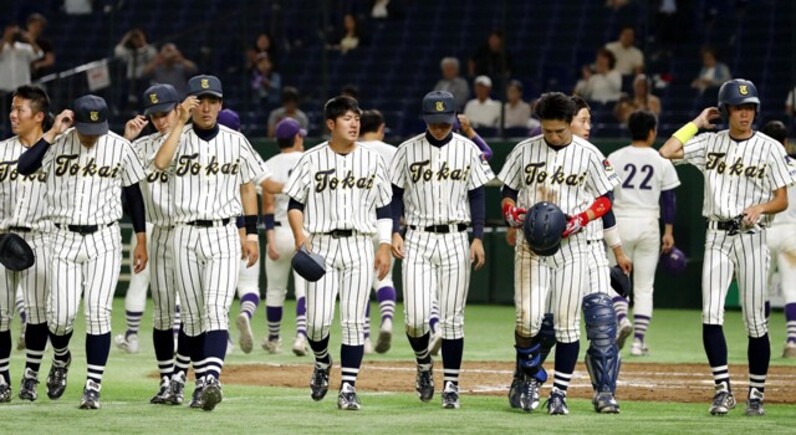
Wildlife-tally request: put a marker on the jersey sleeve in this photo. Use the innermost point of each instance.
(670, 179)
(397, 173)
(511, 173)
(252, 166)
(781, 168)
(383, 184)
(695, 151)
(132, 170)
(480, 172)
(298, 184)
(601, 176)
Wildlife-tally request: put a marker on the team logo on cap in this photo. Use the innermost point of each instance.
(440, 106)
(743, 89)
(205, 84)
(94, 116)
(153, 97)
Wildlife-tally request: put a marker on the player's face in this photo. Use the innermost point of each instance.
(88, 140)
(581, 123)
(439, 131)
(556, 132)
(206, 114)
(163, 120)
(23, 120)
(741, 117)
(346, 127)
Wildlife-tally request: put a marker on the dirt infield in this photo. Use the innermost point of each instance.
(648, 382)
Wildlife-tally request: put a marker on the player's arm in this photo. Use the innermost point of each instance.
(471, 134)
(668, 211)
(511, 213)
(397, 206)
(777, 204)
(134, 127)
(613, 240)
(477, 200)
(596, 210)
(136, 211)
(295, 217)
(672, 149)
(267, 208)
(248, 196)
(168, 149)
(271, 186)
(30, 161)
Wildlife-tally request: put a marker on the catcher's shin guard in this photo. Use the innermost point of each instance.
(602, 357)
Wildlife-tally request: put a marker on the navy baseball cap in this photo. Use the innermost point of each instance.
(229, 118)
(288, 128)
(205, 85)
(91, 115)
(160, 99)
(439, 108)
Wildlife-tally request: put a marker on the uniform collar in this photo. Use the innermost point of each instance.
(438, 143)
(206, 135)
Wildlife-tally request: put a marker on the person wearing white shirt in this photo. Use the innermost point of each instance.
(629, 59)
(517, 111)
(16, 54)
(604, 84)
(482, 110)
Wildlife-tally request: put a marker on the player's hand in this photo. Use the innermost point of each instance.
(477, 255)
(466, 127)
(383, 261)
(511, 236)
(751, 216)
(667, 243)
(397, 246)
(271, 250)
(575, 224)
(706, 118)
(624, 262)
(134, 127)
(251, 251)
(140, 256)
(303, 241)
(513, 215)
(63, 121)
(186, 108)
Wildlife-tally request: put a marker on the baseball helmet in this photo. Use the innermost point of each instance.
(309, 266)
(736, 92)
(673, 263)
(620, 282)
(15, 253)
(543, 225)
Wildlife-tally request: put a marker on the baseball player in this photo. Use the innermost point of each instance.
(23, 212)
(87, 169)
(211, 169)
(645, 195)
(782, 243)
(746, 178)
(340, 194)
(564, 169)
(280, 242)
(438, 186)
(372, 136)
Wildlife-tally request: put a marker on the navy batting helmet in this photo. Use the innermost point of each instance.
(15, 253)
(543, 225)
(309, 266)
(673, 263)
(620, 282)
(736, 92)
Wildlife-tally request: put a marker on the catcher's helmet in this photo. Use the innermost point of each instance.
(620, 282)
(673, 263)
(543, 225)
(309, 266)
(15, 253)
(736, 92)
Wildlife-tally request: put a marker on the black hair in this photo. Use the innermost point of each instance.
(604, 52)
(285, 143)
(776, 130)
(370, 121)
(39, 101)
(641, 123)
(555, 105)
(580, 103)
(517, 84)
(290, 94)
(350, 90)
(339, 105)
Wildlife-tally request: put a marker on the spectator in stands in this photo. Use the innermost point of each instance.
(713, 72)
(16, 54)
(35, 29)
(262, 44)
(289, 109)
(629, 59)
(602, 84)
(790, 102)
(266, 83)
(171, 67)
(136, 52)
(642, 99)
(482, 110)
(516, 111)
(453, 83)
(489, 60)
(350, 37)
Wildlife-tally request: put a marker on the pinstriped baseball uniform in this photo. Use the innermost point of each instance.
(738, 174)
(84, 188)
(387, 152)
(572, 177)
(436, 183)
(781, 238)
(340, 192)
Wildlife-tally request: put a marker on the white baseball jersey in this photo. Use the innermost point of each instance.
(386, 150)
(645, 174)
(21, 197)
(281, 166)
(340, 191)
(789, 215)
(437, 180)
(84, 184)
(154, 189)
(205, 177)
(738, 174)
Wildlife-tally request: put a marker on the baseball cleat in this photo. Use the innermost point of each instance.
(639, 348)
(450, 396)
(5, 391)
(176, 389)
(515, 389)
(529, 394)
(91, 395)
(557, 403)
(30, 382)
(272, 346)
(424, 382)
(624, 331)
(162, 396)
(300, 345)
(367, 346)
(348, 400)
(384, 341)
(723, 400)
(435, 343)
(605, 403)
(790, 350)
(754, 405)
(127, 343)
(197, 401)
(319, 383)
(211, 393)
(56, 379)
(246, 339)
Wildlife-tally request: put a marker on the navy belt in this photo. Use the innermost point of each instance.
(83, 229)
(441, 229)
(20, 229)
(336, 234)
(203, 223)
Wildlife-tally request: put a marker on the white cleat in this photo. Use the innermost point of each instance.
(272, 346)
(127, 343)
(246, 338)
(300, 345)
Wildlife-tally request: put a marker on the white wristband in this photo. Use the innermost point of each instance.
(252, 238)
(611, 236)
(384, 227)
